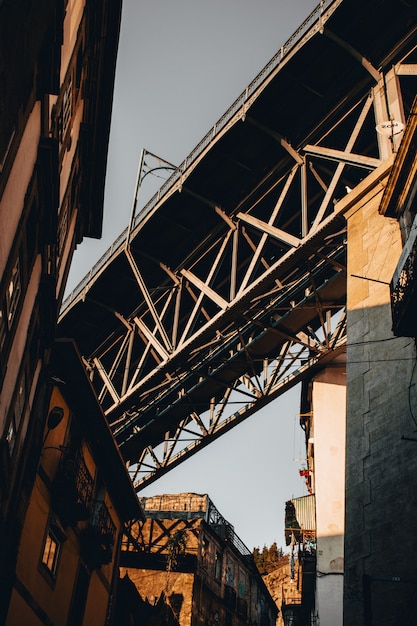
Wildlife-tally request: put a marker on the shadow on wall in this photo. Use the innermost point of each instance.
(132, 610)
(381, 472)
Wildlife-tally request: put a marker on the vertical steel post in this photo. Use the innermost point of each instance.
(135, 197)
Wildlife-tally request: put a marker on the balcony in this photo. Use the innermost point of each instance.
(404, 289)
(230, 597)
(242, 608)
(72, 489)
(97, 539)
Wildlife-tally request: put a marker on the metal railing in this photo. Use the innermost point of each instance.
(102, 522)
(315, 18)
(235, 540)
(403, 287)
(73, 487)
(225, 529)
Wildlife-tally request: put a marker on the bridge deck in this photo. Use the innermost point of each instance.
(231, 275)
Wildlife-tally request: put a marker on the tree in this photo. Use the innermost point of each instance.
(176, 547)
(269, 559)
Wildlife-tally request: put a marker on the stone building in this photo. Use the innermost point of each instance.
(57, 66)
(362, 468)
(214, 579)
(381, 465)
(360, 415)
(298, 602)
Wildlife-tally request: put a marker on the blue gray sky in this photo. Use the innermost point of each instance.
(181, 64)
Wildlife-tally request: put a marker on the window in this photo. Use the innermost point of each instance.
(63, 226)
(218, 566)
(20, 399)
(66, 110)
(17, 413)
(79, 66)
(242, 583)
(51, 552)
(204, 553)
(10, 299)
(242, 607)
(11, 436)
(2, 327)
(13, 293)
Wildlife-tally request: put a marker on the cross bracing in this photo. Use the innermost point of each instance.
(229, 286)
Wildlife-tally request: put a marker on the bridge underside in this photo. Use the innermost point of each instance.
(230, 285)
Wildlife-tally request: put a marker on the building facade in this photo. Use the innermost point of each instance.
(381, 424)
(214, 579)
(68, 557)
(57, 64)
(315, 523)
(359, 416)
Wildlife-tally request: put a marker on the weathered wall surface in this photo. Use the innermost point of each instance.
(329, 408)
(179, 590)
(282, 588)
(381, 466)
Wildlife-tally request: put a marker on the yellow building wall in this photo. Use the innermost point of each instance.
(373, 250)
(21, 613)
(54, 599)
(97, 601)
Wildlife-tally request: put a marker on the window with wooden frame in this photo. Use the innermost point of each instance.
(68, 100)
(16, 414)
(218, 564)
(66, 111)
(13, 293)
(63, 221)
(205, 545)
(3, 330)
(51, 550)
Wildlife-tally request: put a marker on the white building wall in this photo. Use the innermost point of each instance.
(329, 407)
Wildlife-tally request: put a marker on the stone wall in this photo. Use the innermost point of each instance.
(177, 502)
(281, 587)
(381, 466)
(177, 587)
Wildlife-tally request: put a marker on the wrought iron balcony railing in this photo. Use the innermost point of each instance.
(97, 539)
(404, 289)
(72, 489)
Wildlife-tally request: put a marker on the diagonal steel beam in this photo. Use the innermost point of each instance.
(357, 160)
(278, 233)
(147, 298)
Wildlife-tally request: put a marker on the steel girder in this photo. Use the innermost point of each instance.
(221, 319)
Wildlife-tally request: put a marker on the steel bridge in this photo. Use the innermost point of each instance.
(229, 286)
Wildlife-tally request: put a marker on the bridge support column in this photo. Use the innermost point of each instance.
(381, 468)
(389, 113)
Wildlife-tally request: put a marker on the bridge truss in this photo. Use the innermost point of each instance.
(229, 286)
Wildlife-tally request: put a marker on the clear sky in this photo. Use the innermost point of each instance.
(181, 64)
